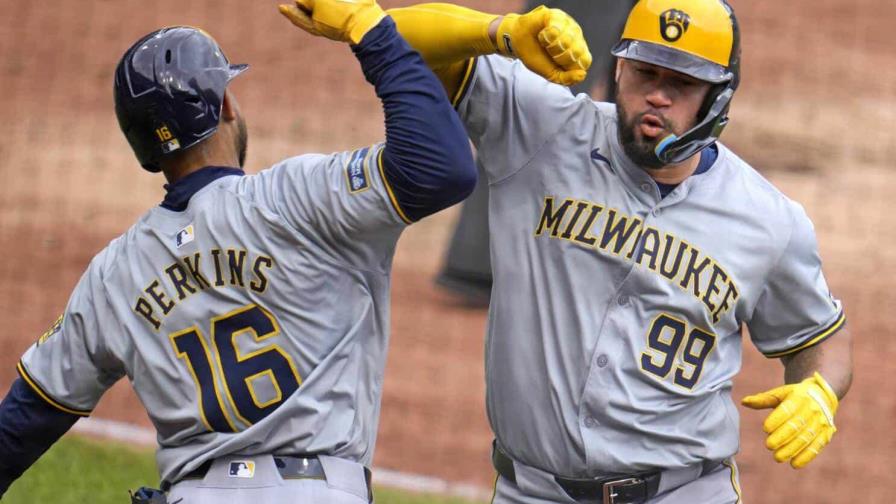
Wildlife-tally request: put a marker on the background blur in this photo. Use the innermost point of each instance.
(815, 113)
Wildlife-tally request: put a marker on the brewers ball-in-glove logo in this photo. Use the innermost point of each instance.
(673, 24)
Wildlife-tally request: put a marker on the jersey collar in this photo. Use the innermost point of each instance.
(178, 194)
(707, 158)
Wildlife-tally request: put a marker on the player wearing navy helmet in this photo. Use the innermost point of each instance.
(249, 312)
(630, 248)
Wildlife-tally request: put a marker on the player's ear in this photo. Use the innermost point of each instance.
(618, 69)
(230, 108)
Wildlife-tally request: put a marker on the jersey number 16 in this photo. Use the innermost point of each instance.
(238, 371)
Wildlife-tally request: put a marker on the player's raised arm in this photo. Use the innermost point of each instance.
(427, 161)
(548, 41)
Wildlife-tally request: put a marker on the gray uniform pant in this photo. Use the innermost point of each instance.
(719, 486)
(233, 480)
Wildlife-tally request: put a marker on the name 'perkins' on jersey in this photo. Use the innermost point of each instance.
(232, 267)
(252, 320)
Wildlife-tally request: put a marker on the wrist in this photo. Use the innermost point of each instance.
(502, 39)
(827, 389)
(492, 34)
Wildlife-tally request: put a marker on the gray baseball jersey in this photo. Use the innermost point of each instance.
(615, 322)
(255, 321)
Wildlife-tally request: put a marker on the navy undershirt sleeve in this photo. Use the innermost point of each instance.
(427, 159)
(28, 427)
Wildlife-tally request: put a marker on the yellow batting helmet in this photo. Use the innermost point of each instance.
(699, 38)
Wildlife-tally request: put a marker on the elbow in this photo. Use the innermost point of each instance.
(461, 175)
(463, 179)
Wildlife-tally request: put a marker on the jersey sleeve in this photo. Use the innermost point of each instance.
(71, 365)
(510, 112)
(340, 201)
(796, 309)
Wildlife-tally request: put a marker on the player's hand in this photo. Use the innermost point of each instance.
(548, 41)
(802, 422)
(342, 20)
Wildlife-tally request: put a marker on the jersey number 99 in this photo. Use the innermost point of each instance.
(664, 340)
(238, 370)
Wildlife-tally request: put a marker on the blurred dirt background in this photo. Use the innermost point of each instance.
(815, 112)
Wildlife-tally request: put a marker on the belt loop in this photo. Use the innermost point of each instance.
(502, 463)
(346, 475)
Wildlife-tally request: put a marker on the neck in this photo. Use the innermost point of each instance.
(675, 173)
(212, 152)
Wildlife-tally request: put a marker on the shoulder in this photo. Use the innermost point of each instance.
(757, 190)
(293, 166)
(606, 112)
(758, 194)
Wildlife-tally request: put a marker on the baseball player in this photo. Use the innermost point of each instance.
(630, 248)
(250, 313)
(466, 270)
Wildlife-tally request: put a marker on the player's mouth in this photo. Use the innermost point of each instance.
(651, 126)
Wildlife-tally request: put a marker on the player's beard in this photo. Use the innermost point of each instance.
(639, 149)
(242, 140)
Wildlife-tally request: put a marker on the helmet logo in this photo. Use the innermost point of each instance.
(673, 24)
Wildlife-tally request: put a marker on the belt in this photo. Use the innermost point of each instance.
(289, 467)
(634, 488)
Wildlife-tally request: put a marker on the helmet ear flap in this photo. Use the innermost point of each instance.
(711, 98)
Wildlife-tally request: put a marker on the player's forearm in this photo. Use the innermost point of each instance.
(832, 359)
(444, 33)
(427, 159)
(447, 36)
(28, 427)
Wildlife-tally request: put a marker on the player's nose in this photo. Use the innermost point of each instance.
(659, 97)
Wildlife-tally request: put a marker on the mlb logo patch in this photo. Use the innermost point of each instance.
(184, 236)
(170, 146)
(356, 171)
(242, 469)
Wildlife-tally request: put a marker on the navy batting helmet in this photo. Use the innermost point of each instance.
(169, 90)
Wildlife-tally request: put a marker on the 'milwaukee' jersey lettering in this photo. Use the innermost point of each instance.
(625, 236)
(255, 320)
(616, 314)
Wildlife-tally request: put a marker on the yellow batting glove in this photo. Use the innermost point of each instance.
(342, 20)
(802, 422)
(548, 41)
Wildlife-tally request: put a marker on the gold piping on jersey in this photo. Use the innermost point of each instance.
(395, 205)
(465, 82)
(814, 339)
(46, 397)
(730, 465)
(495, 489)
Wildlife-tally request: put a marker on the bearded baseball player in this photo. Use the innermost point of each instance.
(630, 248)
(249, 312)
